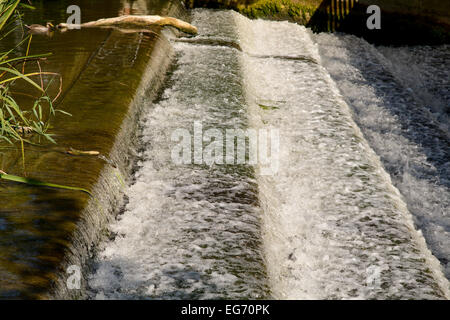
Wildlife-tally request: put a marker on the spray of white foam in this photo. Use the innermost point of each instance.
(389, 106)
(334, 225)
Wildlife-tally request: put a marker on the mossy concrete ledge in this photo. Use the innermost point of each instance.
(299, 11)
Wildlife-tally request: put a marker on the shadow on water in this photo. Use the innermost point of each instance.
(34, 233)
(350, 16)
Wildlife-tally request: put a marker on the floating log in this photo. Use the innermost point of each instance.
(134, 21)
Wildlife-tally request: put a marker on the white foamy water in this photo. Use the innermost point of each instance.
(329, 224)
(425, 72)
(334, 225)
(392, 109)
(189, 231)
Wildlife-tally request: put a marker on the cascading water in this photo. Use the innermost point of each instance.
(424, 72)
(189, 231)
(403, 121)
(335, 227)
(328, 224)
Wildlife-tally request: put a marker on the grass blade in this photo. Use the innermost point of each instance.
(38, 183)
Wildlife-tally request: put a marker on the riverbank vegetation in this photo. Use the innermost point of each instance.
(21, 123)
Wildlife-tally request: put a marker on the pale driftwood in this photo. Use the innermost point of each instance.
(134, 21)
(75, 152)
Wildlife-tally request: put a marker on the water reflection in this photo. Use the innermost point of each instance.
(101, 71)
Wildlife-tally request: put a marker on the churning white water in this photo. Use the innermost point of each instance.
(328, 224)
(402, 114)
(425, 71)
(335, 227)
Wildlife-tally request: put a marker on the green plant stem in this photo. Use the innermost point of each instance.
(34, 182)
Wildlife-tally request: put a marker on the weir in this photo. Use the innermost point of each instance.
(356, 207)
(329, 224)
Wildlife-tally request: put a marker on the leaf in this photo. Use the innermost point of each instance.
(64, 112)
(34, 182)
(27, 6)
(25, 58)
(264, 107)
(49, 137)
(6, 14)
(16, 108)
(21, 76)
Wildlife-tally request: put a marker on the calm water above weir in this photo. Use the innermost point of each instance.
(101, 72)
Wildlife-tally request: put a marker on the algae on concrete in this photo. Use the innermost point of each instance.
(299, 11)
